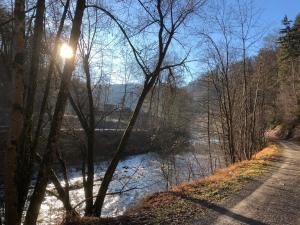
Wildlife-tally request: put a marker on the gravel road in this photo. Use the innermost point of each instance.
(276, 201)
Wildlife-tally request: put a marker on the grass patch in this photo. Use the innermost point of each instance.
(189, 201)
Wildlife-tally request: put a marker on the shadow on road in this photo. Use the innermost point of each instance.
(221, 210)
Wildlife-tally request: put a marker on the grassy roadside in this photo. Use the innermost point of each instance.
(189, 201)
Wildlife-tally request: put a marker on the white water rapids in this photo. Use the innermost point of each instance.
(136, 177)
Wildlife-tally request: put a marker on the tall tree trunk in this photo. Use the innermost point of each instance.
(26, 156)
(44, 171)
(229, 119)
(48, 79)
(90, 139)
(208, 126)
(11, 192)
(245, 140)
(116, 158)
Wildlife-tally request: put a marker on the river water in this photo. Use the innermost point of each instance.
(136, 177)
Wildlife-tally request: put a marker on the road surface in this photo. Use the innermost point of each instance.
(276, 201)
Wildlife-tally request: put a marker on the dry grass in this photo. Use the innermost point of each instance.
(269, 151)
(185, 202)
(188, 202)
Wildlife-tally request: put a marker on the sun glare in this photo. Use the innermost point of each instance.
(66, 51)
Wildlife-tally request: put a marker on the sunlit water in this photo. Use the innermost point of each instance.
(136, 177)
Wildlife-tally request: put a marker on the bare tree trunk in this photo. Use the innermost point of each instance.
(62, 193)
(164, 37)
(113, 165)
(49, 76)
(208, 126)
(25, 162)
(90, 139)
(65, 196)
(245, 142)
(44, 172)
(11, 192)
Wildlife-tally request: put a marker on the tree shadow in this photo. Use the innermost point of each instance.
(221, 210)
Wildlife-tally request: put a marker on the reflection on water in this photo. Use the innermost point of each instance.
(135, 177)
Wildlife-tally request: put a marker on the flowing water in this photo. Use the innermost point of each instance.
(136, 177)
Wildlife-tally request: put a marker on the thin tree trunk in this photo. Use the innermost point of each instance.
(25, 161)
(208, 126)
(113, 165)
(62, 193)
(60, 190)
(66, 190)
(44, 172)
(11, 192)
(90, 138)
(245, 139)
(48, 79)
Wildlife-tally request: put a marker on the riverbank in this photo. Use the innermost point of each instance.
(72, 144)
(189, 202)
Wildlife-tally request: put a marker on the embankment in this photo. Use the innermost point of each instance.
(289, 131)
(188, 202)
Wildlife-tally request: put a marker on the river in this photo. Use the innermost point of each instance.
(136, 177)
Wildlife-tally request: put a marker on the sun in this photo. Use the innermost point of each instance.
(66, 51)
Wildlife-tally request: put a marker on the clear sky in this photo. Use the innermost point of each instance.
(271, 15)
(273, 11)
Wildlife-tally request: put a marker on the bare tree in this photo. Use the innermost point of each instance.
(232, 74)
(169, 17)
(88, 120)
(45, 167)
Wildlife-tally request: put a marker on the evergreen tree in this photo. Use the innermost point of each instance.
(290, 38)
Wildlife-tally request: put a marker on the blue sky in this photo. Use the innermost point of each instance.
(274, 10)
(271, 14)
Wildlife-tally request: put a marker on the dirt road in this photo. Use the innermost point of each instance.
(276, 201)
